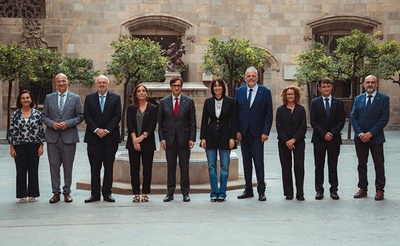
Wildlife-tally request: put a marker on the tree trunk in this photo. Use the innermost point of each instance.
(125, 102)
(9, 107)
(354, 91)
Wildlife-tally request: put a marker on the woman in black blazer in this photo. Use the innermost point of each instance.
(141, 121)
(291, 126)
(218, 134)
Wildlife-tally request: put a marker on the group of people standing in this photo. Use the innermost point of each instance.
(369, 116)
(247, 118)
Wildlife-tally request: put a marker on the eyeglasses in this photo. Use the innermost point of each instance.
(176, 86)
(370, 82)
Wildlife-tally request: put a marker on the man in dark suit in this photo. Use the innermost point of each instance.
(254, 105)
(370, 114)
(177, 133)
(102, 111)
(327, 119)
(62, 112)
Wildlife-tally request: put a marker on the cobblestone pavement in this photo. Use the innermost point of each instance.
(235, 222)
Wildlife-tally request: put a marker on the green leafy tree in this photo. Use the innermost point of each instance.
(229, 60)
(355, 57)
(79, 70)
(44, 64)
(12, 62)
(37, 66)
(135, 61)
(41, 67)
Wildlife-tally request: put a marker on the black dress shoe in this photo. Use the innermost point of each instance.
(300, 198)
(262, 197)
(108, 198)
(246, 194)
(319, 196)
(334, 195)
(186, 198)
(168, 198)
(289, 197)
(92, 199)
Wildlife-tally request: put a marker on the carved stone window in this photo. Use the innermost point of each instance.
(23, 9)
(328, 29)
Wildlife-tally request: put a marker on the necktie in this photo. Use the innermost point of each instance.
(62, 101)
(249, 97)
(327, 107)
(102, 103)
(369, 102)
(176, 107)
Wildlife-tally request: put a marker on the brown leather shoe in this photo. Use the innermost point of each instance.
(379, 195)
(361, 193)
(67, 198)
(55, 198)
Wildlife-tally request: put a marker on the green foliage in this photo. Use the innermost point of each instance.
(229, 60)
(387, 64)
(352, 52)
(79, 70)
(313, 64)
(356, 56)
(136, 60)
(39, 66)
(12, 61)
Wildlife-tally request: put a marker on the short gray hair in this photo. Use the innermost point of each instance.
(251, 69)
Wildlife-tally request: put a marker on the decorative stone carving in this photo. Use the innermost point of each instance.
(23, 8)
(308, 37)
(33, 34)
(191, 38)
(175, 63)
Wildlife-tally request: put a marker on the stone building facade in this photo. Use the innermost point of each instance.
(283, 28)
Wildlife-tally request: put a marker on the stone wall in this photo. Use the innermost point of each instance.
(85, 28)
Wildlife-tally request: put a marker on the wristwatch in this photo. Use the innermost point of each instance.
(145, 135)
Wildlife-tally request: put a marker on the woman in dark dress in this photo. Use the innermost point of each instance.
(26, 137)
(218, 135)
(141, 121)
(291, 126)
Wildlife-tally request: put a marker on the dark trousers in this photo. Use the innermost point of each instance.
(172, 153)
(147, 163)
(362, 150)
(320, 150)
(253, 150)
(285, 156)
(27, 164)
(101, 154)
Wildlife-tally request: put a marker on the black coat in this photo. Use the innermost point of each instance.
(218, 131)
(149, 126)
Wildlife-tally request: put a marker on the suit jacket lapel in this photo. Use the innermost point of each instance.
(182, 104)
(67, 102)
(169, 107)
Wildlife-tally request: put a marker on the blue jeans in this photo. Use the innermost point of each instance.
(224, 156)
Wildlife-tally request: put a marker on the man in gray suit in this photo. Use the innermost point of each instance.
(177, 133)
(62, 112)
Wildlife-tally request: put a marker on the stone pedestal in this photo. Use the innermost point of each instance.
(169, 75)
(198, 174)
(196, 90)
(198, 168)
